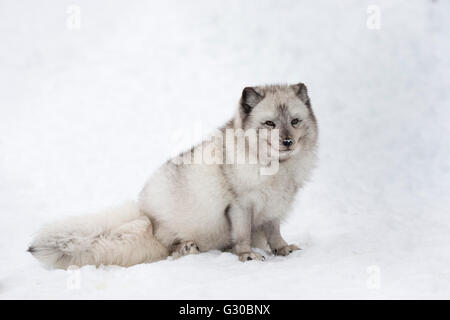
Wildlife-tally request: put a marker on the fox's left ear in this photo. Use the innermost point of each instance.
(302, 93)
(251, 96)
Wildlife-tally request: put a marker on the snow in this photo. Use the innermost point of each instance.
(87, 114)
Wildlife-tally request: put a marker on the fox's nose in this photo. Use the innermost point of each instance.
(288, 142)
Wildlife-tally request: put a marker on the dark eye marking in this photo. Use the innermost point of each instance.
(295, 122)
(270, 124)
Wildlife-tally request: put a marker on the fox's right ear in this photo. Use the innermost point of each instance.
(250, 98)
(302, 93)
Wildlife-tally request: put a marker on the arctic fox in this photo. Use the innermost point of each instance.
(228, 197)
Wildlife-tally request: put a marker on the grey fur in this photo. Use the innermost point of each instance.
(251, 202)
(190, 208)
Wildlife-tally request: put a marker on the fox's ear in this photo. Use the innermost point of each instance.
(250, 98)
(302, 93)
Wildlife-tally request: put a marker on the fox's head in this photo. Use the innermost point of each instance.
(286, 108)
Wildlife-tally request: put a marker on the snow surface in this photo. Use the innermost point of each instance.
(86, 115)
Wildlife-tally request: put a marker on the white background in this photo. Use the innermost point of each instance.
(87, 114)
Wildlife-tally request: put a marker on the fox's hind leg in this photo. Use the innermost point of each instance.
(184, 248)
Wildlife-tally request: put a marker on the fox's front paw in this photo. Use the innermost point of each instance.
(251, 256)
(284, 251)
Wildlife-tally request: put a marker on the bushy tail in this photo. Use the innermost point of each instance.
(120, 236)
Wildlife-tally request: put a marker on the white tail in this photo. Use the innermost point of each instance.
(120, 236)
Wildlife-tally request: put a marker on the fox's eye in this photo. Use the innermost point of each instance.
(270, 124)
(295, 121)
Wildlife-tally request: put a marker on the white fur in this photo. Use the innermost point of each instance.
(211, 205)
(120, 235)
